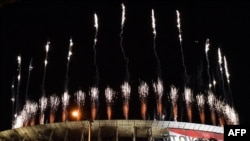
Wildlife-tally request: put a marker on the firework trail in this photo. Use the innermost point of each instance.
(126, 90)
(67, 67)
(226, 70)
(18, 84)
(154, 44)
(180, 39)
(143, 94)
(228, 80)
(94, 95)
(221, 72)
(211, 102)
(94, 47)
(201, 103)
(109, 94)
(45, 65)
(13, 97)
(80, 100)
(54, 103)
(208, 66)
(188, 95)
(28, 81)
(43, 102)
(65, 103)
(121, 41)
(174, 97)
(158, 89)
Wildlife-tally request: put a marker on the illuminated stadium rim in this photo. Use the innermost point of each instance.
(125, 128)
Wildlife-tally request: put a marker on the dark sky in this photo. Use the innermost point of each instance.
(27, 26)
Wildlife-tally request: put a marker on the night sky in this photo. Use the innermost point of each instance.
(26, 27)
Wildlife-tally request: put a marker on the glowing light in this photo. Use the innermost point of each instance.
(75, 113)
(12, 99)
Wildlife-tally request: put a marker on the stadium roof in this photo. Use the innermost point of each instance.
(103, 128)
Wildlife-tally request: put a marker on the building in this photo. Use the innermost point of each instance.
(114, 130)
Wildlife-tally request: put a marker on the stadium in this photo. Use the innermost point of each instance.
(115, 130)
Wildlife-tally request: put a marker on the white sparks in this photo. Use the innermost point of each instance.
(43, 101)
(231, 115)
(211, 100)
(188, 95)
(12, 99)
(65, 100)
(153, 22)
(54, 102)
(123, 15)
(31, 107)
(158, 88)
(143, 90)
(200, 100)
(80, 97)
(126, 89)
(110, 94)
(173, 94)
(94, 94)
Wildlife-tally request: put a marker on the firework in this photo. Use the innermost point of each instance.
(43, 101)
(174, 97)
(201, 103)
(143, 93)
(126, 89)
(80, 97)
(158, 88)
(188, 95)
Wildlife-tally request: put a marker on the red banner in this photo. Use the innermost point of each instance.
(193, 135)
